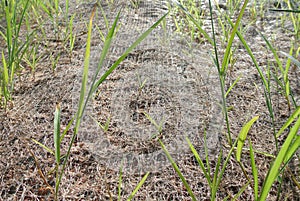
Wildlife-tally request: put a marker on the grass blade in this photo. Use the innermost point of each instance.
(289, 121)
(138, 186)
(120, 182)
(293, 148)
(275, 169)
(254, 171)
(103, 55)
(81, 99)
(274, 53)
(215, 184)
(176, 168)
(242, 137)
(226, 162)
(123, 56)
(292, 58)
(250, 54)
(231, 86)
(57, 133)
(230, 41)
(44, 146)
(241, 191)
(206, 174)
(66, 130)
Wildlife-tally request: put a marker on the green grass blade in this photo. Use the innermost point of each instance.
(242, 137)
(176, 168)
(215, 184)
(241, 191)
(103, 127)
(5, 71)
(138, 186)
(22, 17)
(66, 130)
(293, 148)
(230, 41)
(8, 30)
(123, 56)
(57, 133)
(206, 156)
(274, 53)
(81, 99)
(206, 174)
(226, 162)
(221, 77)
(250, 54)
(44, 146)
(103, 55)
(290, 120)
(254, 171)
(152, 121)
(291, 58)
(120, 182)
(85, 73)
(275, 168)
(231, 86)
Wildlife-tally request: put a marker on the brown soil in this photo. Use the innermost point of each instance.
(89, 174)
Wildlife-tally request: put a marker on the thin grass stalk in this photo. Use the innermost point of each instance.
(266, 83)
(206, 156)
(289, 121)
(67, 10)
(225, 163)
(12, 35)
(176, 168)
(230, 41)
(215, 186)
(81, 100)
(15, 43)
(241, 191)
(221, 78)
(231, 86)
(283, 72)
(120, 182)
(103, 55)
(200, 162)
(5, 81)
(254, 171)
(138, 186)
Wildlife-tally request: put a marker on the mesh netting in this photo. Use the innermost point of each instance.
(166, 88)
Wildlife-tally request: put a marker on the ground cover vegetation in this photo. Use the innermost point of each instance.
(38, 40)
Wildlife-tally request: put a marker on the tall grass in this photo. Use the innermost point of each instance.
(14, 12)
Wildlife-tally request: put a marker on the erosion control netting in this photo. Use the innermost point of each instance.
(164, 80)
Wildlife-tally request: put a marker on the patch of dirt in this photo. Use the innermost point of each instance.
(180, 90)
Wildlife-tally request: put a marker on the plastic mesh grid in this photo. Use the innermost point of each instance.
(164, 78)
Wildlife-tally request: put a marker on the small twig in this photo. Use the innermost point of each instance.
(41, 172)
